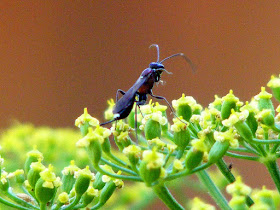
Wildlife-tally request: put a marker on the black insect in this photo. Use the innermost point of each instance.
(143, 86)
(230, 166)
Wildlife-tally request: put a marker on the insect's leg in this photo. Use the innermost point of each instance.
(135, 124)
(117, 95)
(162, 98)
(101, 124)
(140, 110)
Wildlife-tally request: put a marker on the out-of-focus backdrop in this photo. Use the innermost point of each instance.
(57, 57)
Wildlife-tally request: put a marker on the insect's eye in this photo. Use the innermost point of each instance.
(157, 77)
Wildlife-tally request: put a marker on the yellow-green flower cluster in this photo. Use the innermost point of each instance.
(235, 117)
(184, 100)
(50, 179)
(99, 134)
(86, 118)
(228, 135)
(154, 159)
(198, 204)
(238, 188)
(108, 114)
(179, 125)
(118, 182)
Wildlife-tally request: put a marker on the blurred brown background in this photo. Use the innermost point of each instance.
(57, 57)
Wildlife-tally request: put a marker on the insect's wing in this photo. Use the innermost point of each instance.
(124, 105)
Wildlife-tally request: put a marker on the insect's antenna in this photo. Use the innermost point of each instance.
(184, 56)
(168, 72)
(155, 45)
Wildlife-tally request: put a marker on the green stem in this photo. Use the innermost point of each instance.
(131, 178)
(273, 170)
(118, 167)
(213, 190)
(116, 159)
(16, 199)
(246, 157)
(8, 203)
(43, 206)
(266, 141)
(225, 170)
(230, 177)
(164, 194)
(274, 148)
(74, 203)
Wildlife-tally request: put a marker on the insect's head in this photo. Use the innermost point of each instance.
(157, 68)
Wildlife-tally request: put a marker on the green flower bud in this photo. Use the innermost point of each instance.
(152, 129)
(133, 153)
(182, 135)
(150, 167)
(217, 151)
(264, 101)
(63, 198)
(92, 141)
(237, 119)
(98, 183)
(68, 179)
(217, 104)
(45, 188)
(32, 156)
(266, 117)
(84, 177)
(238, 203)
(124, 139)
(193, 158)
(88, 197)
(274, 85)
(106, 146)
(244, 131)
(43, 194)
(184, 106)
(229, 103)
(85, 121)
(34, 173)
(251, 120)
(266, 196)
(19, 174)
(107, 192)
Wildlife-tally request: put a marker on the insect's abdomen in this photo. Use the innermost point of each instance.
(123, 107)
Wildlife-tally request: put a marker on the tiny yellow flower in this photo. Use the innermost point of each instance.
(157, 143)
(154, 159)
(184, 100)
(85, 117)
(63, 197)
(179, 125)
(274, 82)
(238, 188)
(235, 117)
(71, 169)
(178, 165)
(132, 150)
(108, 114)
(263, 94)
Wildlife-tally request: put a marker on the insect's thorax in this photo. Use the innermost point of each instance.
(149, 83)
